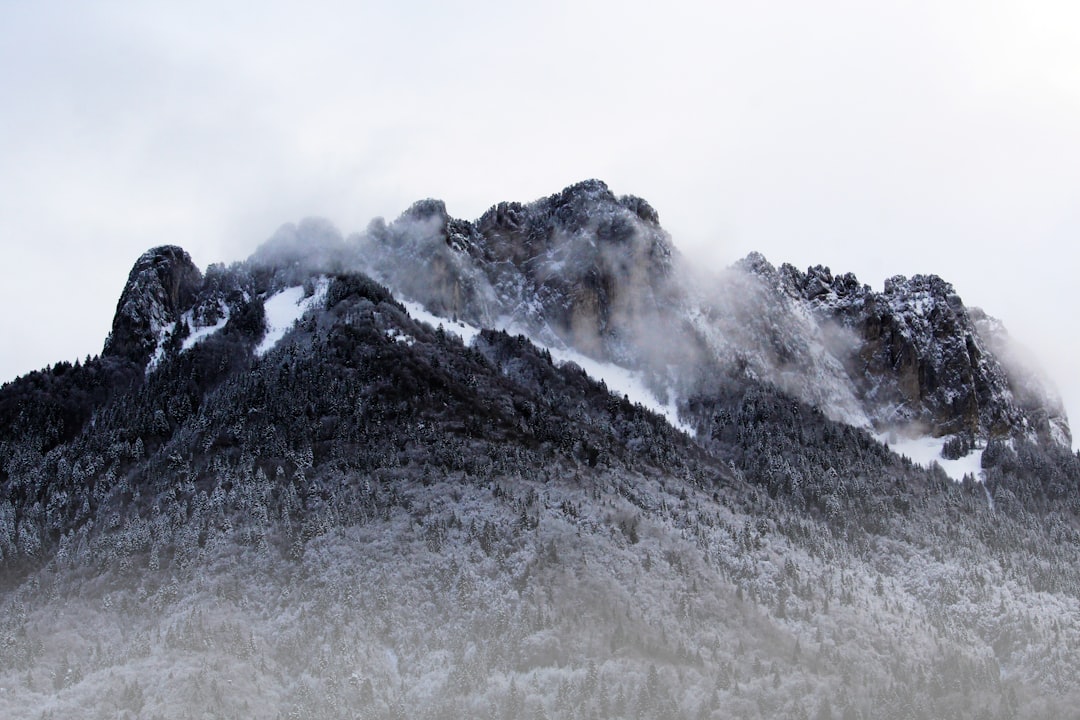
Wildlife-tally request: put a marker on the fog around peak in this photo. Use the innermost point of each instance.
(924, 139)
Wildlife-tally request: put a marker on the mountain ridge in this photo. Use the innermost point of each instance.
(586, 270)
(292, 488)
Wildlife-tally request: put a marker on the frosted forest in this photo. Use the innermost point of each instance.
(532, 466)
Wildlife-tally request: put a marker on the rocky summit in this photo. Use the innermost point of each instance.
(596, 273)
(162, 284)
(534, 465)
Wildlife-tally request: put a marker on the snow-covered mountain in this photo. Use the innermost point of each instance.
(534, 466)
(595, 277)
(587, 271)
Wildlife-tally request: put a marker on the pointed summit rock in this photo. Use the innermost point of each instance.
(163, 282)
(581, 267)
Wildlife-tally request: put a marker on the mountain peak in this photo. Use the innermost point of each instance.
(589, 190)
(162, 283)
(427, 209)
(575, 267)
(584, 269)
(924, 360)
(756, 264)
(305, 440)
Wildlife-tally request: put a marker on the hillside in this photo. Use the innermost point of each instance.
(532, 466)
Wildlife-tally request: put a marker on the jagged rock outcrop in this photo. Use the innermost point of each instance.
(595, 269)
(585, 269)
(754, 330)
(921, 358)
(1032, 391)
(579, 267)
(162, 284)
(427, 255)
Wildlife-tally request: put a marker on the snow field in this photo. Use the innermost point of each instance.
(925, 450)
(283, 309)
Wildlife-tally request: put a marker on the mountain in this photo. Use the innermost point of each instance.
(534, 465)
(586, 270)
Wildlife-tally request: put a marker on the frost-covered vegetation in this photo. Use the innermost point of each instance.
(369, 517)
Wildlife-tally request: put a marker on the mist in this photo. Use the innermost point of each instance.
(934, 138)
(361, 513)
(378, 520)
(586, 271)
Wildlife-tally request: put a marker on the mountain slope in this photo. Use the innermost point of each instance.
(278, 493)
(597, 273)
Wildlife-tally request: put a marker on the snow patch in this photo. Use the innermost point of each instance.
(395, 334)
(1059, 432)
(200, 334)
(619, 380)
(466, 332)
(623, 381)
(926, 449)
(283, 309)
(195, 335)
(163, 335)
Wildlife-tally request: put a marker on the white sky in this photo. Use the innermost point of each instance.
(880, 138)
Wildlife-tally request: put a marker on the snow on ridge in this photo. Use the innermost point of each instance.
(462, 330)
(926, 449)
(1058, 434)
(622, 381)
(283, 309)
(195, 335)
(619, 380)
(163, 335)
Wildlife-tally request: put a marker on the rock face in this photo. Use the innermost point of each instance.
(585, 270)
(579, 267)
(921, 357)
(1032, 391)
(597, 273)
(333, 502)
(162, 284)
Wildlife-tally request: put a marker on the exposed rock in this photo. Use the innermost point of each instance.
(579, 267)
(1032, 390)
(584, 269)
(920, 356)
(162, 284)
(369, 513)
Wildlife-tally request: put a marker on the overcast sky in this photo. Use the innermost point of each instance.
(879, 138)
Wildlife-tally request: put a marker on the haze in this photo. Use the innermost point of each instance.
(937, 137)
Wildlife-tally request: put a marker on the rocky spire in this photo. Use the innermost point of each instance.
(162, 283)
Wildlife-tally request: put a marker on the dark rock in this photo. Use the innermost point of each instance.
(578, 267)
(920, 357)
(162, 284)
